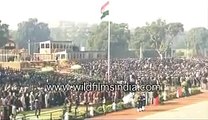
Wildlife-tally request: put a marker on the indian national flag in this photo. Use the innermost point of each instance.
(104, 10)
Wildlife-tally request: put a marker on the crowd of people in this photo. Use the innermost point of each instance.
(22, 91)
(174, 71)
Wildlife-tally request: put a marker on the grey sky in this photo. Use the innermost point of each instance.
(192, 13)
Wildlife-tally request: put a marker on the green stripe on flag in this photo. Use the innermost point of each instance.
(105, 14)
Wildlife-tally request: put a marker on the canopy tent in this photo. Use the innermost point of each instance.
(47, 69)
(76, 67)
(128, 98)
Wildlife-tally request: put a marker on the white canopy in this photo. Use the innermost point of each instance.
(76, 67)
(47, 69)
(128, 98)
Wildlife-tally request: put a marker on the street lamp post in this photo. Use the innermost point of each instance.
(141, 51)
(29, 47)
(4, 54)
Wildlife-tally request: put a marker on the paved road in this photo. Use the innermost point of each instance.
(194, 106)
(194, 111)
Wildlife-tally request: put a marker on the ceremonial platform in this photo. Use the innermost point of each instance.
(18, 65)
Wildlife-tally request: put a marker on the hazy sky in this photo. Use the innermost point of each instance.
(192, 13)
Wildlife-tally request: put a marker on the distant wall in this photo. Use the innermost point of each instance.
(13, 65)
(147, 53)
(45, 56)
(183, 52)
(119, 50)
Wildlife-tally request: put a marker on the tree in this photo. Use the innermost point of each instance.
(120, 35)
(92, 37)
(32, 30)
(172, 30)
(140, 38)
(157, 35)
(156, 31)
(13, 34)
(57, 34)
(162, 34)
(197, 38)
(80, 34)
(77, 33)
(179, 42)
(4, 34)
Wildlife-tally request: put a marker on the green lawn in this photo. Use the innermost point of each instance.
(45, 113)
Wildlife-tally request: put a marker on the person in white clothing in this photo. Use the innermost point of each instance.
(66, 116)
(32, 99)
(46, 100)
(91, 110)
(3, 101)
(14, 111)
(22, 99)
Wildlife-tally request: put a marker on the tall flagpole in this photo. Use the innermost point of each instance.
(109, 66)
(105, 13)
(109, 49)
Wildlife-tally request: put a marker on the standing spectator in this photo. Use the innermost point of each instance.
(37, 107)
(19, 105)
(76, 104)
(204, 83)
(32, 99)
(22, 99)
(27, 101)
(104, 105)
(70, 103)
(46, 100)
(14, 111)
(65, 107)
(185, 88)
(139, 102)
(5, 113)
(143, 98)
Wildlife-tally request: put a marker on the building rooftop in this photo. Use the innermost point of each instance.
(60, 41)
(64, 41)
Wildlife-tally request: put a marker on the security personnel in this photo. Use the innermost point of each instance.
(104, 105)
(139, 103)
(143, 99)
(76, 104)
(65, 107)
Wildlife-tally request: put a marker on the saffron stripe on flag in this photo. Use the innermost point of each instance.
(104, 6)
